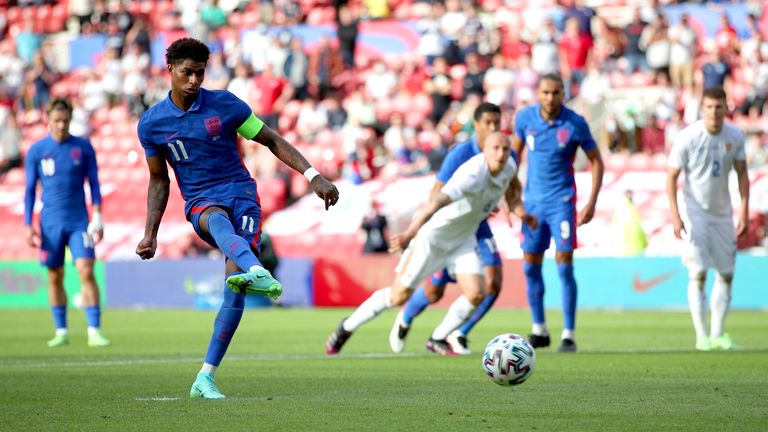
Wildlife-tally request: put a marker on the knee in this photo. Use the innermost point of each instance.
(433, 293)
(724, 278)
(398, 297)
(532, 270)
(475, 298)
(494, 286)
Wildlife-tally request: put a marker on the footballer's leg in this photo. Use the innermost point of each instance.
(224, 327)
(491, 259)
(377, 303)
(471, 278)
(460, 310)
(83, 252)
(57, 298)
(568, 285)
(431, 291)
(415, 265)
(52, 256)
(534, 243)
(723, 249)
(696, 257)
(215, 222)
(562, 219)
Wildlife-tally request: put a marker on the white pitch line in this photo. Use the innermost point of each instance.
(278, 357)
(157, 399)
(150, 361)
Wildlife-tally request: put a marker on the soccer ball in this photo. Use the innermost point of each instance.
(509, 359)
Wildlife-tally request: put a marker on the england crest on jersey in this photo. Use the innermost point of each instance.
(213, 125)
(563, 135)
(76, 154)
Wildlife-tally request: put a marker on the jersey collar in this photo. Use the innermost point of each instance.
(558, 120)
(178, 112)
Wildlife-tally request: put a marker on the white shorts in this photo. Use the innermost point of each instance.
(423, 257)
(710, 243)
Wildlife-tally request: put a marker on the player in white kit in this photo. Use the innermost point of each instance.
(443, 235)
(706, 150)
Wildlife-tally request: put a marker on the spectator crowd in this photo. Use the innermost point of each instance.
(633, 71)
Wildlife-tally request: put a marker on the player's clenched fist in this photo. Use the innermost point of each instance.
(146, 248)
(325, 190)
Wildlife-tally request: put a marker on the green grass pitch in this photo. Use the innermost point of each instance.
(634, 371)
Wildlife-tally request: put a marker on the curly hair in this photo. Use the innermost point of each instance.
(187, 49)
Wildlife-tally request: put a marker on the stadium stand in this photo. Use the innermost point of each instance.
(108, 57)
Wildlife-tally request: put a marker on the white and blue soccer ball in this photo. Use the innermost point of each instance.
(509, 359)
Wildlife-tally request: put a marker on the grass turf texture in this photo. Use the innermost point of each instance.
(634, 371)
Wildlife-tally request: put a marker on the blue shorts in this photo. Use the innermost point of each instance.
(556, 219)
(489, 256)
(56, 237)
(244, 214)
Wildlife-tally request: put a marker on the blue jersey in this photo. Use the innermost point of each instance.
(62, 168)
(200, 145)
(551, 151)
(453, 160)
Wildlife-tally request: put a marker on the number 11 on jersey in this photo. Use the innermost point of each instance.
(178, 150)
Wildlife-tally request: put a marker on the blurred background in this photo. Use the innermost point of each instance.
(374, 93)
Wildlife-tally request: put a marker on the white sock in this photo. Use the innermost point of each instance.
(568, 334)
(697, 301)
(459, 311)
(62, 331)
(255, 267)
(92, 331)
(720, 303)
(540, 329)
(374, 305)
(208, 368)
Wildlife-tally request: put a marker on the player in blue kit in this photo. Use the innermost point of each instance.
(552, 133)
(62, 163)
(487, 120)
(195, 131)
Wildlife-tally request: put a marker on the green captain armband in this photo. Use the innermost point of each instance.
(251, 127)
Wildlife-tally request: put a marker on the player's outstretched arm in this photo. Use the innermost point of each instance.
(399, 242)
(677, 222)
(288, 154)
(157, 199)
(586, 213)
(740, 166)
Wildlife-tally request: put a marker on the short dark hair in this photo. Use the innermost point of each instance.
(59, 104)
(485, 107)
(714, 93)
(551, 77)
(187, 49)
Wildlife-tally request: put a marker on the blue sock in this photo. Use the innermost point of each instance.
(568, 283)
(479, 313)
(535, 290)
(415, 305)
(93, 316)
(59, 316)
(225, 325)
(233, 246)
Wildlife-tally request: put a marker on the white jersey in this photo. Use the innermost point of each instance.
(474, 192)
(707, 160)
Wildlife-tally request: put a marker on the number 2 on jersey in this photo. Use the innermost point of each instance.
(716, 169)
(180, 153)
